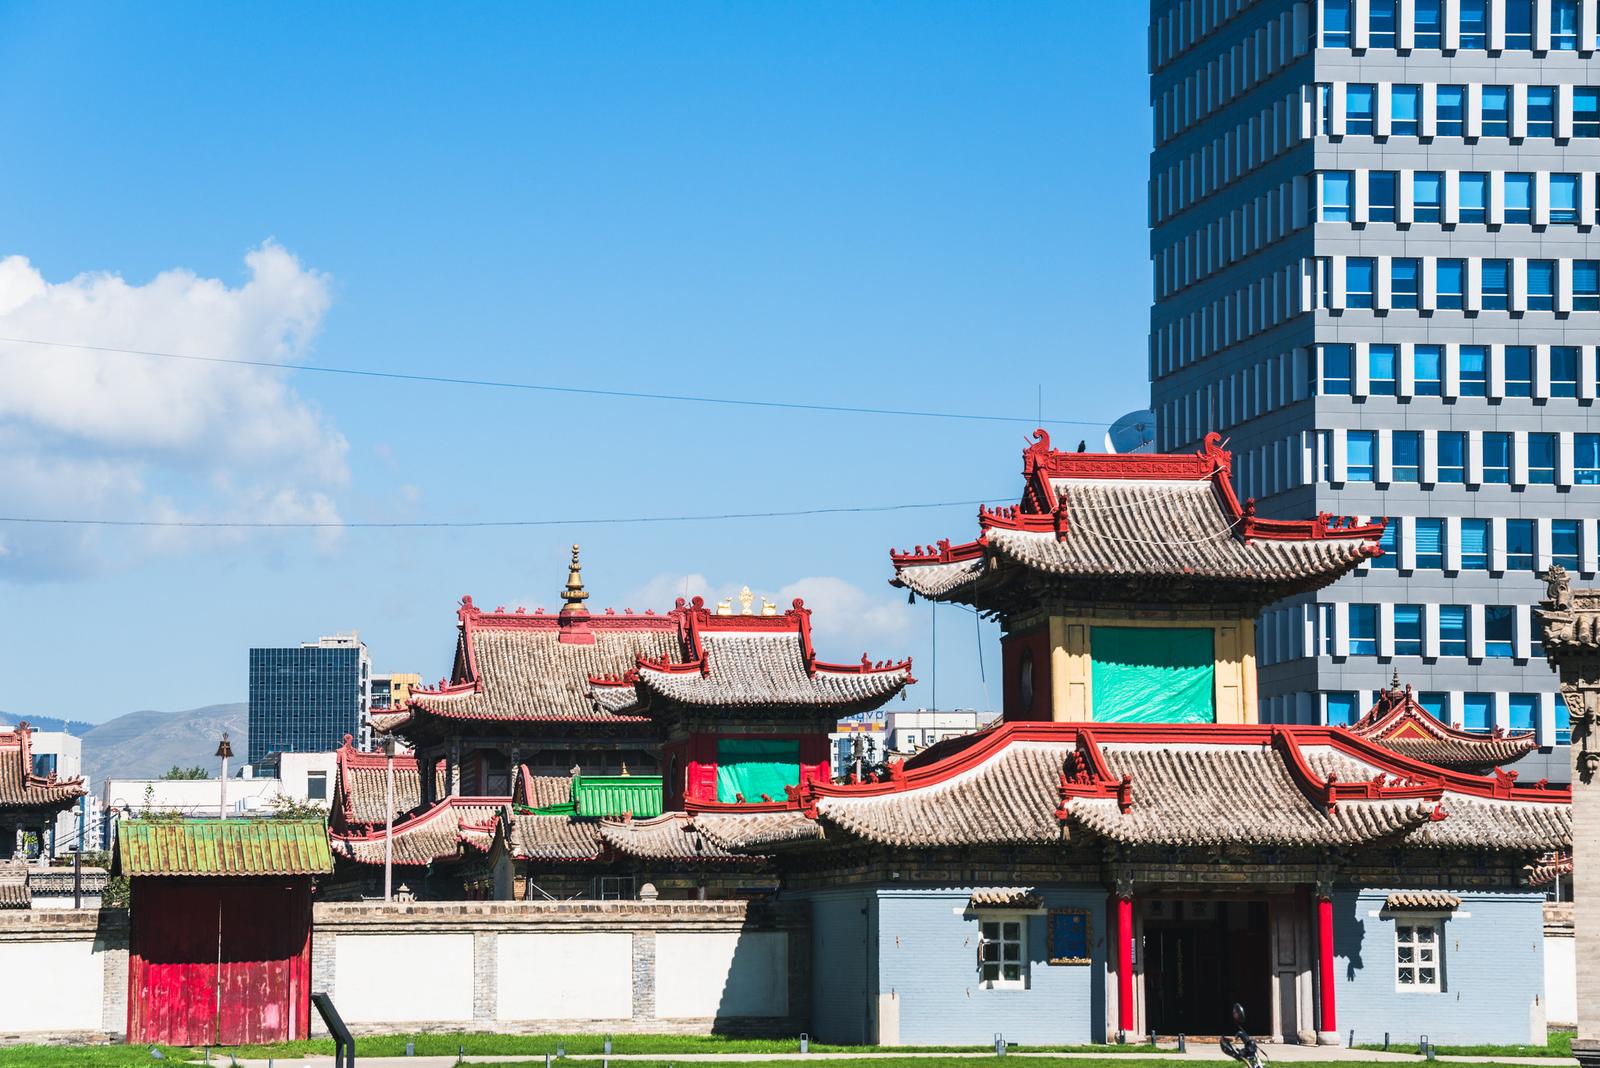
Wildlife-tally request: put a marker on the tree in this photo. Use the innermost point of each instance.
(285, 807)
(176, 772)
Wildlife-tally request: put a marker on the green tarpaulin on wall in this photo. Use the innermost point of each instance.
(756, 766)
(1153, 674)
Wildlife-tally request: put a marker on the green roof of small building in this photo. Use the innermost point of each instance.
(243, 847)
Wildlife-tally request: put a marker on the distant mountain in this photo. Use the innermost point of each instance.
(47, 723)
(142, 745)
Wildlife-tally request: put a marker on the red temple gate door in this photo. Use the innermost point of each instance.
(219, 961)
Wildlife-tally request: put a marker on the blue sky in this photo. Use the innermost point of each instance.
(926, 206)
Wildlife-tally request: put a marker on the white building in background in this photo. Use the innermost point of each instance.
(61, 754)
(896, 735)
(303, 777)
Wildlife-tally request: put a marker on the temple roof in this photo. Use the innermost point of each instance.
(444, 832)
(1550, 867)
(1202, 785)
(1091, 525)
(20, 788)
(553, 838)
(360, 788)
(673, 836)
(1399, 723)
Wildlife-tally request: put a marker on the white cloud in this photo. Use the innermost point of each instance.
(94, 434)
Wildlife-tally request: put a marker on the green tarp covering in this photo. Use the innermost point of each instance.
(756, 766)
(1153, 674)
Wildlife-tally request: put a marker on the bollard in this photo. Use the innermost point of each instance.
(608, 1045)
(1386, 1042)
(1352, 1043)
(1183, 1043)
(561, 1050)
(805, 1042)
(999, 1044)
(157, 1055)
(208, 1056)
(411, 1048)
(461, 1055)
(547, 1060)
(1153, 1038)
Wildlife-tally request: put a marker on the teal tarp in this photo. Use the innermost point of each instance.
(1153, 674)
(756, 766)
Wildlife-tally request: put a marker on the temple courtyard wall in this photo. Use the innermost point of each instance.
(63, 975)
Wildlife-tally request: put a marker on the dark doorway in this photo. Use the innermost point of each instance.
(1200, 956)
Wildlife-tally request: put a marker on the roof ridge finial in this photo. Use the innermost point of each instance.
(574, 595)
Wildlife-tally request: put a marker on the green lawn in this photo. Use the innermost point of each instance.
(87, 1056)
(1558, 1045)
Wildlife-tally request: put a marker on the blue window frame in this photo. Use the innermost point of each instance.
(1335, 23)
(1361, 448)
(1405, 110)
(1389, 542)
(1541, 111)
(1586, 285)
(1430, 544)
(1359, 107)
(1358, 278)
(1563, 370)
(1564, 25)
(1381, 361)
(1337, 361)
(1521, 536)
(1475, 25)
(1474, 197)
(1496, 110)
(1564, 198)
(1363, 630)
(1429, 27)
(1342, 709)
(1477, 712)
(1452, 630)
(1496, 458)
(1524, 712)
(1450, 284)
(1496, 285)
(1541, 285)
(1474, 545)
(1519, 370)
(1427, 370)
(1452, 456)
(1383, 196)
(1336, 195)
(1586, 459)
(1541, 459)
(1382, 21)
(1499, 631)
(1519, 24)
(1435, 704)
(1519, 198)
(1404, 283)
(1474, 371)
(1566, 543)
(1406, 445)
(1408, 630)
(1427, 196)
(1585, 112)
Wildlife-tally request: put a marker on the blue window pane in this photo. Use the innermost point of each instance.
(1361, 447)
(1586, 285)
(1381, 360)
(1364, 630)
(1450, 110)
(1474, 545)
(1474, 371)
(1585, 112)
(1541, 111)
(1519, 24)
(1383, 196)
(1564, 198)
(1342, 709)
(1408, 630)
(1520, 535)
(1477, 711)
(1382, 21)
(1451, 289)
(1586, 459)
(1336, 23)
(1498, 630)
(1541, 285)
(1406, 446)
(1496, 285)
(1430, 543)
(1359, 108)
(1337, 361)
(1405, 283)
(1473, 193)
(1452, 456)
(1435, 704)
(1336, 196)
(1524, 709)
(1428, 24)
(1475, 24)
(1389, 542)
(1497, 459)
(1565, 537)
(1519, 198)
(1427, 196)
(1405, 107)
(1541, 459)
(1427, 370)
(1496, 103)
(1519, 371)
(1452, 630)
(1564, 25)
(1358, 276)
(1563, 371)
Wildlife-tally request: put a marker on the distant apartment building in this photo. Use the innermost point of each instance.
(61, 754)
(305, 699)
(1376, 274)
(302, 778)
(392, 690)
(892, 735)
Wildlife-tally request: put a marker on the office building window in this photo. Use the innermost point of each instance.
(1450, 110)
(1325, 109)
(1342, 709)
(1519, 24)
(1519, 371)
(1427, 363)
(1541, 111)
(1563, 371)
(1336, 364)
(1360, 450)
(1452, 630)
(1474, 189)
(1474, 371)
(316, 786)
(1564, 25)
(1477, 712)
(1336, 200)
(1499, 629)
(1475, 24)
(1564, 198)
(1450, 284)
(1382, 21)
(1405, 109)
(1404, 283)
(1585, 112)
(1519, 198)
(1430, 544)
(1452, 456)
(1381, 360)
(1383, 196)
(1435, 704)
(1496, 285)
(1496, 110)
(1474, 545)
(1541, 459)
(1541, 285)
(1359, 107)
(1428, 25)
(1586, 285)
(1417, 945)
(1565, 543)
(1389, 542)
(1336, 23)
(1496, 458)
(1521, 536)
(1524, 711)
(1407, 448)
(1358, 275)
(1408, 630)
(1427, 196)
(1586, 459)
(1363, 630)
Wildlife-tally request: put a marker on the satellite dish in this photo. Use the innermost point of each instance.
(1134, 432)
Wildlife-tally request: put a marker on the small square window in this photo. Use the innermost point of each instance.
(1416, 956)
(1002, 953)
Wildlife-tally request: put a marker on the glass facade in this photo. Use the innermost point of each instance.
(306, 699)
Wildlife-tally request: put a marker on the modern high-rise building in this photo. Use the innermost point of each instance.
(306, 699)
(1376, 274)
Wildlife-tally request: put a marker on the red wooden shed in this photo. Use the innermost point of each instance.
(220, 931)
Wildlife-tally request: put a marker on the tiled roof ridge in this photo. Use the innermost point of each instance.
(19, 740)
(1396, 707)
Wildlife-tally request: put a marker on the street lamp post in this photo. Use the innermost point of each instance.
(388, 810)
(224, 750)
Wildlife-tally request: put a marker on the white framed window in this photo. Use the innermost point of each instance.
(1003, 952)
(1418, 943)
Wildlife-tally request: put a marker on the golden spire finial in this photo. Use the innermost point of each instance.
(574, 595)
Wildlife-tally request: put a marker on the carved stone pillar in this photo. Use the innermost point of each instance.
(1570, 620)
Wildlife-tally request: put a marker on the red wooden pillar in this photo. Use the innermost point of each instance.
(1327, 1014)
(1124, 964)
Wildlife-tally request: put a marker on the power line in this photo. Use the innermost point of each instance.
(467, 524)
(544, 387)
